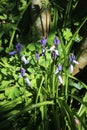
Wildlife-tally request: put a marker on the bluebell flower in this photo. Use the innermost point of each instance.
(43, 51)
(59, 69)
(58, 72)
(56, 41)
(72, 57)
(18, 47)
(43, 42)
(23, 72)
(37, 56)
(12, 53)
(24, 60)
(28, 81)
(72, 62)
(54, 54)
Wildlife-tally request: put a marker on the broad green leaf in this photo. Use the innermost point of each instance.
(2, 96)
(33, 82)
(4, 71)
(3, 17)
(31, 47)
(12, 92)
(67, 34)
(21, 81)
(42, 62)
(51, 38)
(5, 83)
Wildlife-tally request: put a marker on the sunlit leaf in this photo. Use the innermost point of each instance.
(31, 47)
(12, 92)
(67, 34)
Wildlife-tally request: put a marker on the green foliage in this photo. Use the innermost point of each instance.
(12, 92)
(48, 102)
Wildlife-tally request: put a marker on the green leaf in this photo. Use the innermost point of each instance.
(33, 82)
(2, 96)
(78, 85)
(5, 83)
(51, 38)
(31, 47)
(12, 92)
(83, 108)
(78, 38)
(3, 17)
(4, 71)
(67, 34)
(42, 62)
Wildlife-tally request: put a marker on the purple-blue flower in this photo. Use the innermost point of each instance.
(37, 56)
(18, 47)
(56, 41)
(59, 67)
(43, 52)
(23, 72)
(12, 53)
(43, 42)
(58, 70)
(72, 57)
(72, 61)
(53, 55)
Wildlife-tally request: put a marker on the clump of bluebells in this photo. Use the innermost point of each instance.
(22, 58)
(55, 56)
